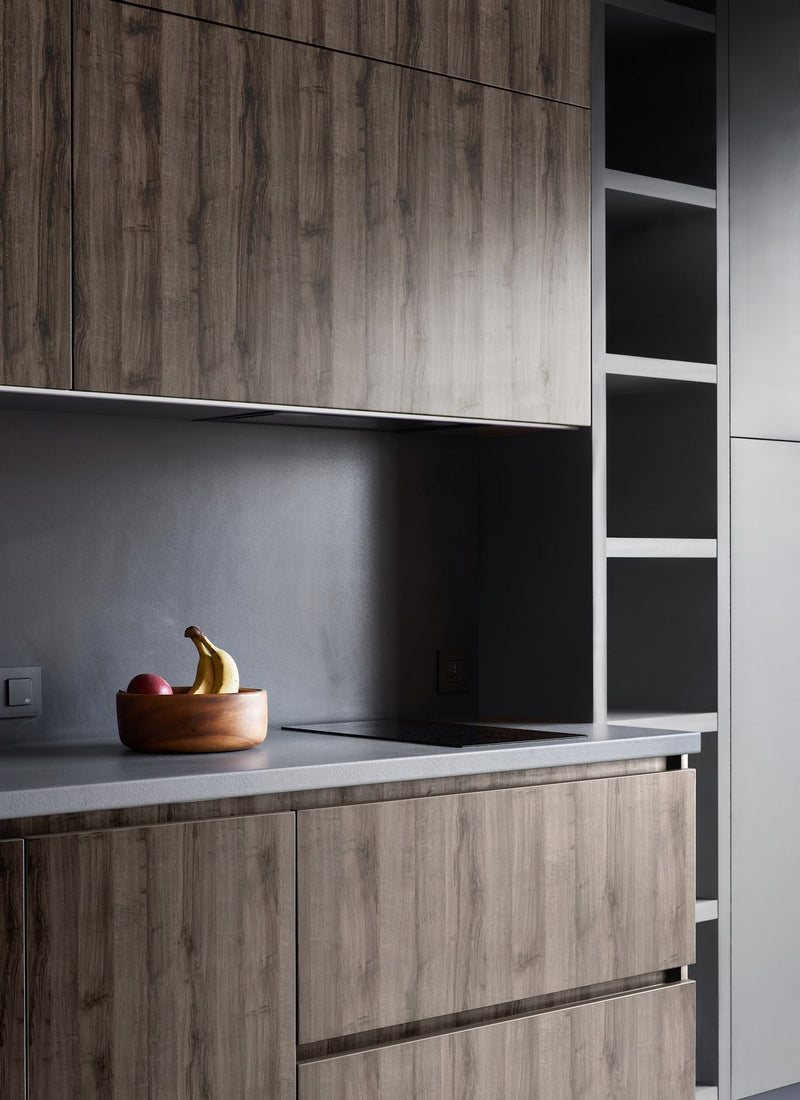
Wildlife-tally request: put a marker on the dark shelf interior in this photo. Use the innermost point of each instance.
(661, 293)
(660, 96)
(662, 461)
(706, 973)
(697, 5)
(662, 634)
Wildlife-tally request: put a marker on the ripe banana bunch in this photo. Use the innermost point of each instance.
(217, 673)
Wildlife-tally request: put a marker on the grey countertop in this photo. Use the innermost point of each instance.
(77, 776)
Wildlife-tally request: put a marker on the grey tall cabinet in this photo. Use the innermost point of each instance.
(765, 546)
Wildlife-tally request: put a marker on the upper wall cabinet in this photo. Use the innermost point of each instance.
(536, 46)
(34, 194)
(765, 219)
(261, 220)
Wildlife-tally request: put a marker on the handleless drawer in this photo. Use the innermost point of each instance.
(638, 1046)
(420, 908)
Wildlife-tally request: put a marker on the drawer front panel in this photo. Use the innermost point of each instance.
(415, 909)
(161, 962)
(638, 1046)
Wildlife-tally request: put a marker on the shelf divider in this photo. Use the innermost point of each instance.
(706, 1092)
(660, 548)
(669, 370)
(665, 720)
(675, 13)
(706, 909)
(632, 184)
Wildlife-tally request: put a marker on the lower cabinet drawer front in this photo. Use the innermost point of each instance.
(638, 1046)
(420, 908)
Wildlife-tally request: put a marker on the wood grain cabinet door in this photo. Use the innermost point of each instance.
(35, 292)
(161, 962)
(639, 1046)
(424, 907)
(535, 46)
(266, 221)
(12, 971)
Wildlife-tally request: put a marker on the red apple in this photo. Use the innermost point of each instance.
(146, 683)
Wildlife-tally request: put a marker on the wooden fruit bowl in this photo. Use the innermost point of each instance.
(192, 723)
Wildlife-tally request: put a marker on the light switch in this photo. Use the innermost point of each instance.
(20, 691)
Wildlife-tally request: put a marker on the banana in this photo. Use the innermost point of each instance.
(204, 680)
(225, 674)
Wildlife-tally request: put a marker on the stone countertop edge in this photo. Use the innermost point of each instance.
(82, 776)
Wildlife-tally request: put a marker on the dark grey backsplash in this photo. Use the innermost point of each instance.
(332, 563)
(282, 544)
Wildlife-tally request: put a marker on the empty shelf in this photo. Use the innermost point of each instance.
(665, 720)
(667, 370)
(632, 184)
(675, 13)
(660, 548)
(706, 909)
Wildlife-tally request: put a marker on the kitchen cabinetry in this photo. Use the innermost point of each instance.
(530, 46)
(451, 933)
(12, 970)
(659, 417)
(480, 899)
(161, 961)
(765, 220)
(631, 1047)
(261, 220)
(765, 605)
(765, 596)
(35, 296)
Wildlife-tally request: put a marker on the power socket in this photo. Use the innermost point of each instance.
(455, 671)
(21, 691)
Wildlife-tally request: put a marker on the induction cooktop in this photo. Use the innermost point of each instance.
(454, 735)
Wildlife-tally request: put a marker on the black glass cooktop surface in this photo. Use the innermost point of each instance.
(451, 735)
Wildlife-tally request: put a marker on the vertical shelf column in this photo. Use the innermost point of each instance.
(660, 402)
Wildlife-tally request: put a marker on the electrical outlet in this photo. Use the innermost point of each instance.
(21, 692)
(455, 671)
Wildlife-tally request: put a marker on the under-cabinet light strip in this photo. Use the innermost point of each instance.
(32, 397)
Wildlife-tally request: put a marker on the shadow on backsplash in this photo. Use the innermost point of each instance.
(333, 564)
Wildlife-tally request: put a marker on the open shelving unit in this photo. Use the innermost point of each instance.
(660, 543)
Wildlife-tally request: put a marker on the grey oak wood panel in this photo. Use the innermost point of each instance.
(637, 1046)
(416, 909)
(161, 962)
(261, 220)
(764, 219)
(312, 799)
(535, 46)
(35, 293)
(12, 970)
(765, 762)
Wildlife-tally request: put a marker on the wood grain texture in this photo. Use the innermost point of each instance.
(261, 220)
(637, 1046)
(416, 909)
(535, 46)
(35, 295)
(329, 796)
(417, 1029)
(12, 971)
(162, 962)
